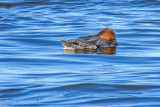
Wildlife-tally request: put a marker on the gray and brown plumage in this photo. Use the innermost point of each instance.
(105, 38)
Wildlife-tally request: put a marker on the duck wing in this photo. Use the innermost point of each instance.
(96, 40)
(79, 43)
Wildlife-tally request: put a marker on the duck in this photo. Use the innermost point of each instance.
(105, 38)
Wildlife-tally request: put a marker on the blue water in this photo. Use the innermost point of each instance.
(36, 71)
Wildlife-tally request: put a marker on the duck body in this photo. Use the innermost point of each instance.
(88, 42)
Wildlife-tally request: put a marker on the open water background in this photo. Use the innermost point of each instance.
(35, 71)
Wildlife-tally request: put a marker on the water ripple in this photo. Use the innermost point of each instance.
(9, 5)
(36, 71)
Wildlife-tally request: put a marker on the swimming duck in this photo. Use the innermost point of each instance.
(105, 38)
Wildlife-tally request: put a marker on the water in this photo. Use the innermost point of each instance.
(35, 71)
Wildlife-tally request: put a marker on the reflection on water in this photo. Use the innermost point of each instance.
(106, 50)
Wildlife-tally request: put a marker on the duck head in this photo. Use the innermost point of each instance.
(109, 35)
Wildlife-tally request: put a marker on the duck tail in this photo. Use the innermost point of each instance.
(63, 42)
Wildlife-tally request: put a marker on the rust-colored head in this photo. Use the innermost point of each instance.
(108, 34)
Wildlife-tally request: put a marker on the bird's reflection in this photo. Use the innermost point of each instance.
(107, 51)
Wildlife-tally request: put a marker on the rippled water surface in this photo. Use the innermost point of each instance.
(36, 71)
